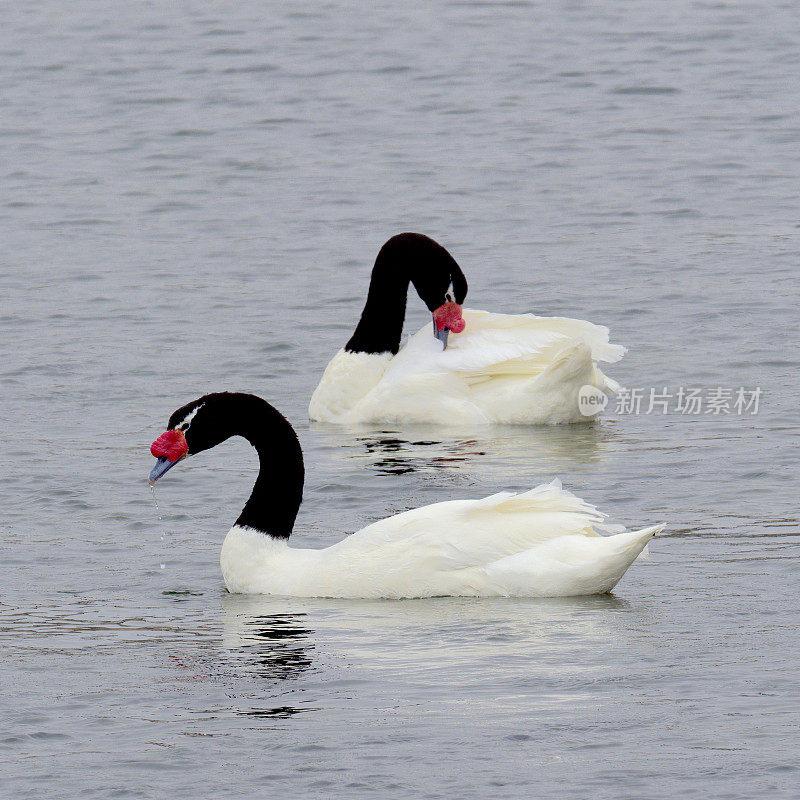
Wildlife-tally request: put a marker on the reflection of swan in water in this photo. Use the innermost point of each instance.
(275, 645)
(451, 633)
(393, 456)
(421, 448)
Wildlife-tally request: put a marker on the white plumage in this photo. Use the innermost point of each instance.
(541, 543)
(503, 368)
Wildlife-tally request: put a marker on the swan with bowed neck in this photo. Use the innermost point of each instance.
(494, 368)
(542, 543)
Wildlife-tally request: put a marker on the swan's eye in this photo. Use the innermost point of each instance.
(186, 420)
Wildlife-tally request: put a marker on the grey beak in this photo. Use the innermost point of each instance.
(441, 335)
(162, 466)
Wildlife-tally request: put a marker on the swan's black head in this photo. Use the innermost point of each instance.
(213, 418)
(209, 421)
(436, 276)
(191, 429)
(434, 272)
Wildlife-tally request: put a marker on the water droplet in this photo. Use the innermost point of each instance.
(155, 501)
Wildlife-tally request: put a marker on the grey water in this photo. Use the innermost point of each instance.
(192, 197)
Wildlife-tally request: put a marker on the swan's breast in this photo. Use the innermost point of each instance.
(346, 380)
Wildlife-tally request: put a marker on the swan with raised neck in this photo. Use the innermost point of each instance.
(542, 542)
(213, 418)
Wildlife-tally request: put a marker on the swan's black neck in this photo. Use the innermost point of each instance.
(405, 258)
(381, 325)
(278, 490)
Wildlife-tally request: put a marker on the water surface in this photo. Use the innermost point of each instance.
(192, 200)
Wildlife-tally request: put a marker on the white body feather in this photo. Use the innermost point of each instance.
(504, 368)
(542, 543)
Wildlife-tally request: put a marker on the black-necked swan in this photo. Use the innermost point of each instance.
(493, 368)
(540, 543)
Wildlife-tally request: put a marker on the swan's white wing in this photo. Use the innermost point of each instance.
(501, 344)
(509, 368)
(468, 533)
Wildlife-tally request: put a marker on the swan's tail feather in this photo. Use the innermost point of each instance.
(650, 533)
(641, 539)
(571, 565)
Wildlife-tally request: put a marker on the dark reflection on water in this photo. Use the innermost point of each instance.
(278, 646)
(279, 712)
(404, 450)
(272, 648)
(399, 456)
